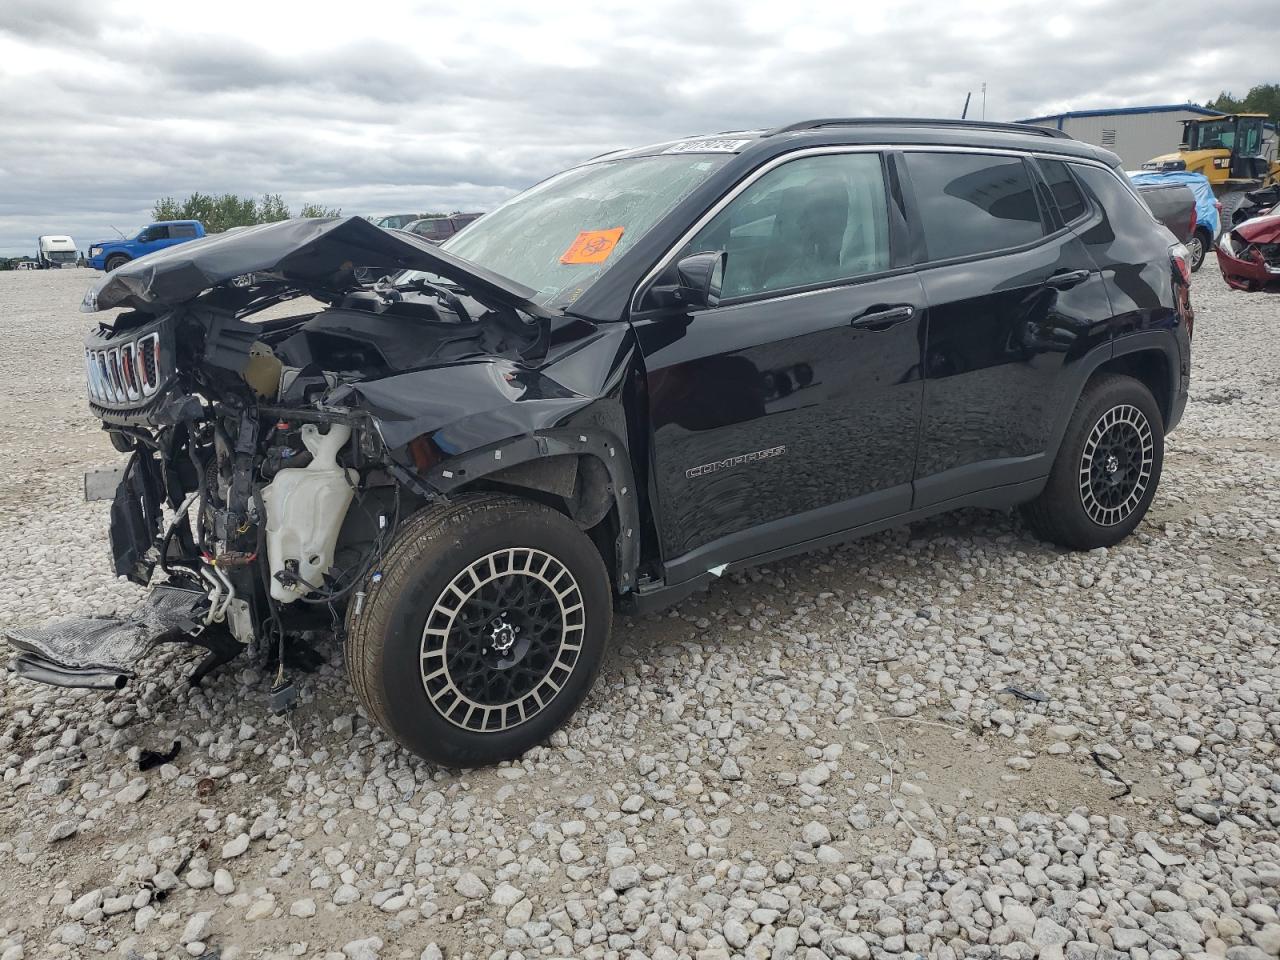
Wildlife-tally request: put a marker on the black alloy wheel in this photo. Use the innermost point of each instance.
(1115, 468)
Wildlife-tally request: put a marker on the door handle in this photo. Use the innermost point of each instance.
(1067, 279)
(882, 318)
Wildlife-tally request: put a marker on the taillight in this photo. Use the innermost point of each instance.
(1192, 228)
(1181, 258)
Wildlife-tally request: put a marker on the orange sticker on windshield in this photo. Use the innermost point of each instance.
(592, 246)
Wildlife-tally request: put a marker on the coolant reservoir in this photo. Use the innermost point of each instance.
(305, 510)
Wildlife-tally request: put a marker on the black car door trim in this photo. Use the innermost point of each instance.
(787, 531)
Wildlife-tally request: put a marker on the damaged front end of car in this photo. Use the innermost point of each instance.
(1249, 255)
(272, 461)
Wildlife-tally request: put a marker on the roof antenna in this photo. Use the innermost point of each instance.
(965, 112)
(117, 230)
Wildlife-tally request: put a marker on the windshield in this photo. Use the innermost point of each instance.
(561, 235)
(61, 254)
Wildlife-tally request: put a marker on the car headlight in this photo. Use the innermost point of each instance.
(95, 251)
(1226, 246)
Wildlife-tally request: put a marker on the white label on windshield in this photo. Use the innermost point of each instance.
(707, 146)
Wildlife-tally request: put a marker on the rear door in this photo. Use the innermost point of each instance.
(180, 233)
(790, 410)
(1129, 248)
(1013, 298)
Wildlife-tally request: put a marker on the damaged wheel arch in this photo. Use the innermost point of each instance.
(583, 473)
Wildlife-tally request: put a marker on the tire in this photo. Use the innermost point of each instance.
(1107, 469)
(1198, 245)
(1231, 203)
(467, 594)
(114, 262)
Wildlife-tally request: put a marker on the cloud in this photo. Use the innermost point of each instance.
(107, 106)
(74, 20)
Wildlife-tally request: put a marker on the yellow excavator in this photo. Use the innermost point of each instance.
(1236, 152)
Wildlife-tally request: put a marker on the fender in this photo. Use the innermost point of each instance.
(1141, 341)
(455, 473)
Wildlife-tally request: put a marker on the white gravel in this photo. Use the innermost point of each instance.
(818, 759)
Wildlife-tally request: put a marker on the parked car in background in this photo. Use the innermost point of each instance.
(395, 221)
(55, 251)
(1162, 193)
(662, 365)
(1174, 205)
(109, 254)
(1249, 254)
(440, 229)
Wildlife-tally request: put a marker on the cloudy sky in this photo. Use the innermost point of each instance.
(386, 107)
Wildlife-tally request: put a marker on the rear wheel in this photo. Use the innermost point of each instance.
(1197, 246)
(116, 261)
(1107, 469)
(484, 631)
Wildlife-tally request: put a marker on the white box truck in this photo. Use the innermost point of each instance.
(56, 252)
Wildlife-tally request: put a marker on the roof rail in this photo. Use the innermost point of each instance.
(918, 122)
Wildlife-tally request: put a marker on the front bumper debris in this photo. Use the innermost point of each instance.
(104, 652)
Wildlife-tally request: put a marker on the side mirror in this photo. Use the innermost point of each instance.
(694, 281)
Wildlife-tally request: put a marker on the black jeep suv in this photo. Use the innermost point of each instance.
(657, 366)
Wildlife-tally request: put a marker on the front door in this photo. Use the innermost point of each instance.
(790, 410)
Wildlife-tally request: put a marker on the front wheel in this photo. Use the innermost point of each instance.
(115, 262)
(1107, 469)
(484, 631)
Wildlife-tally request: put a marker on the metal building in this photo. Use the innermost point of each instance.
(1136, 133)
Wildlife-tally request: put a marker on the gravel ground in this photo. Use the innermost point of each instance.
(820, 758)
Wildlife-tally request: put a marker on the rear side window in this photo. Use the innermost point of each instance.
(1064, 190)
(971, 203)
(1117, 199)
(182, 230)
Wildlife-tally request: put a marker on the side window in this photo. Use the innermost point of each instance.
(972, 203)
(810, 221)
(182, 230)
(1117, 200)
(156, 233)
(1066, 194)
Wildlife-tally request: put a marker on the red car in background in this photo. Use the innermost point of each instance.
(1249, 255)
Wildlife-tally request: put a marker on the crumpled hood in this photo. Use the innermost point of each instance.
(1264, 229)
(315, 254)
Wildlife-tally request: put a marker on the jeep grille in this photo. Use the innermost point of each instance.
(123, 374)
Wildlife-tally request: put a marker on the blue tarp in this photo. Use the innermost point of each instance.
(1206, 203)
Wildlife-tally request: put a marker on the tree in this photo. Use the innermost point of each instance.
(219, 213)
(315, 210)
(1264, 98)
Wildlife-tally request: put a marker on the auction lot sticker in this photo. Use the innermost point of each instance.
(717, 145)
(592, 246)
